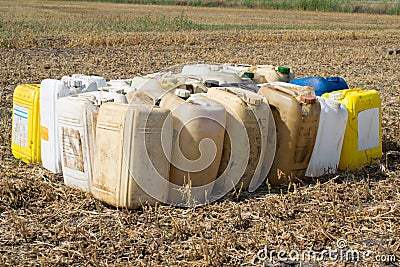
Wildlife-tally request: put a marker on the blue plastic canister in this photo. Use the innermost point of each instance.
(322, 85)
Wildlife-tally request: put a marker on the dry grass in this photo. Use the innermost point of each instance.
(45, 223)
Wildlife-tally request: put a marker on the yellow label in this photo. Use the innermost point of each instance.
(44, 133)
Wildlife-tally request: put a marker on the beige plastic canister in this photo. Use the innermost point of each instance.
(133, 144)
(146, 88)
(76, 120)
(270, 73)
(247, 126)
(151, 86)
(139, 98)
(199, 127)
(296, 112)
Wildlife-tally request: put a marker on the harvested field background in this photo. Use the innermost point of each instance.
(42, 222)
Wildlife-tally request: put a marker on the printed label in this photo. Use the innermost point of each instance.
(20, 127)
(72, 149)
(44, 133)
(368, 129)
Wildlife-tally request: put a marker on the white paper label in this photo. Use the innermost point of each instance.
(368, 129)
(20, 127)
(72, 149)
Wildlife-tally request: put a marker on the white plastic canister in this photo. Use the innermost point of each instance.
(211, 72)
(51, 91)
(100, 81)
(77, 118)
(118, 86)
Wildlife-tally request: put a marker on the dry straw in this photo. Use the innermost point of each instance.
(42, 222)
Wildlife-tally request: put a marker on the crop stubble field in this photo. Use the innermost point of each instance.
(42, 222)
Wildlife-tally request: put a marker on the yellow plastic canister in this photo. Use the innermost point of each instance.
(25, 142)
(362, 144)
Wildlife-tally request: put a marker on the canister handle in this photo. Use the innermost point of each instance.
(254, 100)
(294, 93)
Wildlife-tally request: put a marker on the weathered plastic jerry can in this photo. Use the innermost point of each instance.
(199, 127)
(362, 145)
(81, 85)
(77, 118)
(119, 83)
(322, 85)
(100, 81)
(328, 144)
(149, 85)
(168, 80)
(247, 126)
(118, 86)
(268, 73)
(52, 90)
(211, 72)
(25, 143)
(296, 112)
(133, 144)
(239, 69)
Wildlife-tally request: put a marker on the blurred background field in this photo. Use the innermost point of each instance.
(351, 6)
(45, 223)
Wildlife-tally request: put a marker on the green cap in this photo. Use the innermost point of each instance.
(248, 75)
(284, 70)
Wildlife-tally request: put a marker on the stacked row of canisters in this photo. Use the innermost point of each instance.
(189, 136)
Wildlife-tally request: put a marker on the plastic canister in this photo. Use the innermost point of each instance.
(199, 69)
(270, 73)
(247, 126)
(198, 136)
(25, 141)
(151, 86)
(52, 90)
(100, 81)
(328, 144)
(133, 144)
(322, 85)
(117, 86)
(169, 80)
(211, 72)
(239, 69)
(77, 118)
(79, 85)
(182, 93)
(362, 145)
(296, 112)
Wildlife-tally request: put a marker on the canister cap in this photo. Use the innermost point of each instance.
(76, 83)
(183, 93)
(333, 103)
(335, 96)
(253, 101)
(252, 98)
(308, 99)
(284, 70)
(248, 75)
